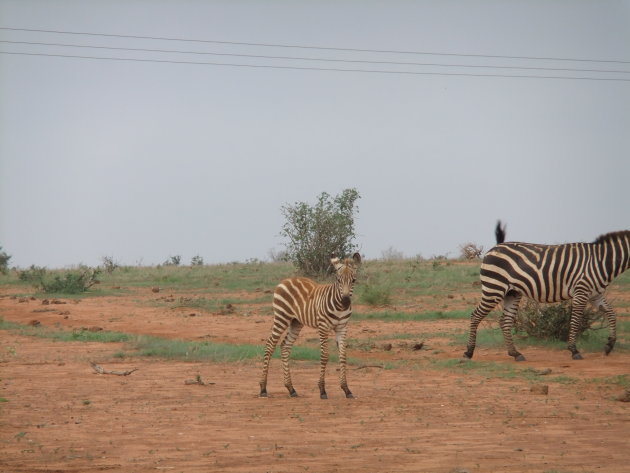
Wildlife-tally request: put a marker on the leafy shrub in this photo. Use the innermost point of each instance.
(552, 321)
(34, 275)
(196, 261)
(173, 260)
(4, 261)
(392, 254)
(71, 282)
(109, 264)
(470, 251)
(316, 231)
(374, 295)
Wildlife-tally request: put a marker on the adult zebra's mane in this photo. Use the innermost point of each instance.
(612, 236)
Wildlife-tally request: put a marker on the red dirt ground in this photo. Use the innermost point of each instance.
(58, 415)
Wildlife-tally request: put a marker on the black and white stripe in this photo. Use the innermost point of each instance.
(550, 273)
(301, 301)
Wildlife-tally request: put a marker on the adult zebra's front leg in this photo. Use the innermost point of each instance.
(600, 302)
(340, 334)
(580, 299)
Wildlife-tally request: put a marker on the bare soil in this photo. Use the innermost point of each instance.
(58, 415)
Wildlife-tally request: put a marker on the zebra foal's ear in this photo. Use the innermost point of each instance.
(335, 262)
(357, 258)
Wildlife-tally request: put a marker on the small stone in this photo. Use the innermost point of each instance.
(540, 389)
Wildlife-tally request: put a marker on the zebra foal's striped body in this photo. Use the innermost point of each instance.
(550, 273)
(301, 301)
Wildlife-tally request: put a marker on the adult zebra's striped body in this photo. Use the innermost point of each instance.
(550, 273)
(301, 301)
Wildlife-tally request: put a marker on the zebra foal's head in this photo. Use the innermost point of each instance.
(346, 270)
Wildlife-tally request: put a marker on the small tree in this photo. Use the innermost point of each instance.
(173, 260)
(470, 251)
(316, 231)
(4, 261)
(196, 261)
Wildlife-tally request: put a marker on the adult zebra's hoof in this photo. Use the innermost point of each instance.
(349, 396)
(323, 396)
(467, 356)
(293, 393)
(577, 356)
(263, 395)
(519, 357)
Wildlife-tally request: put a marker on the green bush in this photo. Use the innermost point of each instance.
(71, 282)
(552, 321)
(374, 295)
(34, 275)
(4, 261)
(316, 231)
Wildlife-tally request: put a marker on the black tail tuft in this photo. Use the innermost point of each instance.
(499, 232)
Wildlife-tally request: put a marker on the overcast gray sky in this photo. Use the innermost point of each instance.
(141, 160)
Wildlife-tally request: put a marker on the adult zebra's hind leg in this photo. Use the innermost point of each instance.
(279, 326)
(483, 308)
(285, 348)
(510, 308)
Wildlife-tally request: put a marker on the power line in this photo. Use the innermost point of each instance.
(330, 69)
(293, 58)
(278, 45)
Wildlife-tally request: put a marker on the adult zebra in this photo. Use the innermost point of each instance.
(550, 273)
(301, 301)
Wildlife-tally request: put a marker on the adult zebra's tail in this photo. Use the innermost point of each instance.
(499, 232)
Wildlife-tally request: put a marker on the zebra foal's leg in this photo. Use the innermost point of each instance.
(279, 326)
(483, 308)
(600, 302)
(285, 348)
(510, 308)
(323, 360)
(340, 333)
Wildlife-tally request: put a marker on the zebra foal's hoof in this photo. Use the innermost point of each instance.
(519, 357)
(293, 393)
(263, 394)
(577, 356)
(349, 396)
(323, 396)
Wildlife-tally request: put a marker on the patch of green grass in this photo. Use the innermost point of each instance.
(217, 305)
(591, 341)
(493, 369)
(407, 316)
(145, 345)
(102, 336)
(619, 380)
(202, 278)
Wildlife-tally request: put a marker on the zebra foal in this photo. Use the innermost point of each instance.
(550, 273)
(301, 301)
